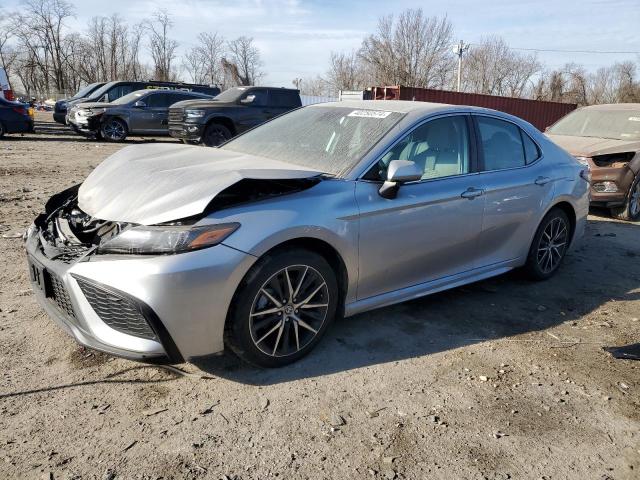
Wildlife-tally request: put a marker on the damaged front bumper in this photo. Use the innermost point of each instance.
(137, 306)
(191, 132)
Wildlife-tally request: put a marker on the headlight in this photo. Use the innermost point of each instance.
(160, 240)
(194, 113)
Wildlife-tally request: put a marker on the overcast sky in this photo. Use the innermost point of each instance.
(296, 36)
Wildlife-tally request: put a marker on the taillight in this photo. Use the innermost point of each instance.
(20, 110)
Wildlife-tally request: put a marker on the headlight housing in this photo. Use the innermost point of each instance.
(194, 113)
(167, 239)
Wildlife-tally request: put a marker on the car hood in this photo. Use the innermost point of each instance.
(151, 184)
(94, 105)
(207, 103)
(590, 146)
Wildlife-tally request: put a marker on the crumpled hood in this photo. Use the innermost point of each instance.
(589, 146)
(150, 184)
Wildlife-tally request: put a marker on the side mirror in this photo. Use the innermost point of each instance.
(399, 172)
(105, 98)
(139, 104)
(248, 99)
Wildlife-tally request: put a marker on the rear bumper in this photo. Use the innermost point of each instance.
(24, 125)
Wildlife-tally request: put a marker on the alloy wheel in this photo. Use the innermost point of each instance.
(216, 135)
(553, 244)
(634, 201)
(289, 310)
(113, 130)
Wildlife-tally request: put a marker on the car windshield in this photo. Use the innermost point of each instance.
(83, 92)
(328, 139)
(614, 124)
(231, 95)
(131, 97)
(101, 91)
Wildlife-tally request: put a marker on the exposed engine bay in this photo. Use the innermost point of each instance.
(67, 233)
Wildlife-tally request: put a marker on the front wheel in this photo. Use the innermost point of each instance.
(549, 245)
(630, 211)
(216, 134)
(282, 308)
(114, 130)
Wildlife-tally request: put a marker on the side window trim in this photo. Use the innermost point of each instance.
(480, 151)
(472, 145)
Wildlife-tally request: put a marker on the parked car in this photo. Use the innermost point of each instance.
(607, 139)
(14, 117)
(113, 90)
(143, 112)
(60, 107)
(234, 111)
(329, 210)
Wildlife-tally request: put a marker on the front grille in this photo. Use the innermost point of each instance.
(176, 114)
(116, 310)
(58, 293)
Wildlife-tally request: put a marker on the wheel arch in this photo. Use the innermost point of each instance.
(222, 120)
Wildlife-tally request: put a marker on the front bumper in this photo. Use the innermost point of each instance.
(60, 117)
(186, 131)
(623, 178)
(185, 298)
(87, 126)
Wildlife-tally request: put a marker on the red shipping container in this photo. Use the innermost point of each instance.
(541, 114)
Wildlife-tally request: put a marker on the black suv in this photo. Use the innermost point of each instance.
(60, 108)
(143, 112)
(234, 111)
(113, 90)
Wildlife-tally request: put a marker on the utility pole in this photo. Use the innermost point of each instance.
(297, 82)
(459, 50)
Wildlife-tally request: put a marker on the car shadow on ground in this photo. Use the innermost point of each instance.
(603, 268)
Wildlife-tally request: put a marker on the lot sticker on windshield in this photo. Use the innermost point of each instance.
(369, 114)
(634, 119)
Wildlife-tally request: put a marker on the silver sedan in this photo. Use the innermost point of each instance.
(176, 251)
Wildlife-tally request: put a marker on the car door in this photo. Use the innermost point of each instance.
(517, 185)
(430, 230)
(281, 102)
(254, 110)
(148, 118)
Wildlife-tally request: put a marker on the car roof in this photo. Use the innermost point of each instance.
(397, 106)
(143, 91)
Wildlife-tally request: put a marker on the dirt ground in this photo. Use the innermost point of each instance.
(496, 380)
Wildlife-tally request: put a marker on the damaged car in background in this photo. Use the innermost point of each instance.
(607, 139)
(327, 211)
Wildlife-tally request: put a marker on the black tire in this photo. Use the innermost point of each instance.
(295, 330)
(216, 134)
(114, 130)
(541, 265)
(2, 130)
(630, 211)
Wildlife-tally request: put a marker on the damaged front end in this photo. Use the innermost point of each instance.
(68, 234)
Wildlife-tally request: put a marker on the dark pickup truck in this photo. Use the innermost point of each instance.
(234, 111)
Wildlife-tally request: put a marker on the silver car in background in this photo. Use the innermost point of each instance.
(327, 211)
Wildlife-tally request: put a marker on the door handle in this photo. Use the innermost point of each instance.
(542, 181)
(472, 193)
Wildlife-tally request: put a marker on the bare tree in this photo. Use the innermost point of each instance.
(161, 47)
(243, 63)
(8, 53)
(204, 61)
(493, 68)
(316, 86)
(415, 50)
(346, 71)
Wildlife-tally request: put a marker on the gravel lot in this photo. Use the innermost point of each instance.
(500, 379)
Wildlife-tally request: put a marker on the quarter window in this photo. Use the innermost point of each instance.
(531, 151)
(501, 144)
(440, 148)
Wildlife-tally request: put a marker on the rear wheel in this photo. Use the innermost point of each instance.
(114, 130)
(2, 130)
(282, 308)
(215, 134)
(631, 209)
(549, 245)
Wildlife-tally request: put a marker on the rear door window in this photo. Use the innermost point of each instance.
(283, 99)
(159, 100)
(501, 144)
